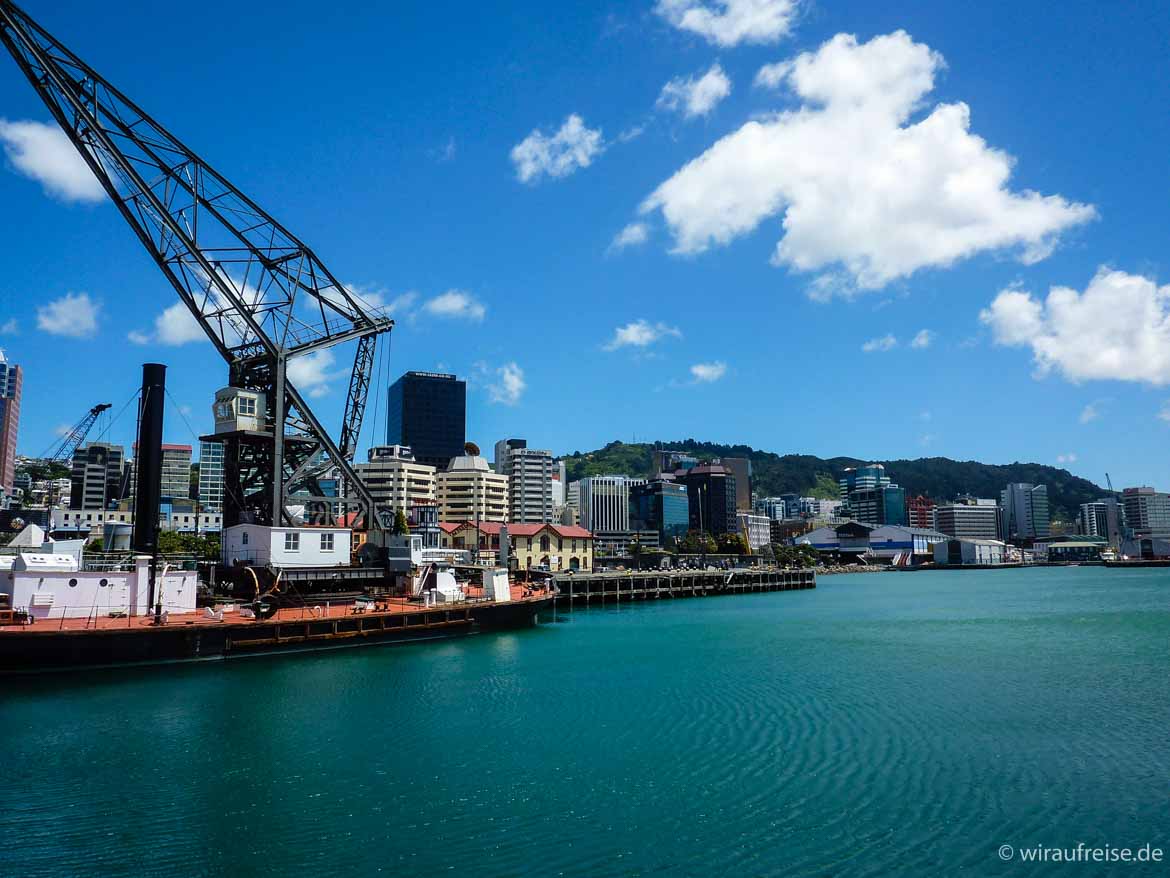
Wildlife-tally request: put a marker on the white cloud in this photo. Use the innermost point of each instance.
(927, 439)
(74, 315)
(1117, 329)
(881, 344)
(134, 336)
(311, 373)
(1164, 412)
(1090, 413)
(922, 340)
(509, 384)
(631, 236)
(456, 304)
(696, 97)
(728, 23)
(62, 430)
(573, 146)
(9, 327)
(640, 333)
(45, 154)
(174, 326)
(772, 75)
(1066, 458)
(708, 372)
(861, 191)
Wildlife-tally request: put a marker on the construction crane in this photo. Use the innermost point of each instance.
(261, 295)
(1109, 482)
(72, 441)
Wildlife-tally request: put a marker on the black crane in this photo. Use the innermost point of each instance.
(72, 441)
(261, 295)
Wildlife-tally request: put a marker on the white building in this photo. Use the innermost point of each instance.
(605, 503)
(530, 481)
(395, 479)
(969, 552)
(47, 587)
(469, 491)
(260, 546)
(756, 529)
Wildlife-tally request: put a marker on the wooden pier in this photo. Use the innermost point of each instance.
(589, 589)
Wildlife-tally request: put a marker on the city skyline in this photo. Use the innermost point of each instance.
(518, 235)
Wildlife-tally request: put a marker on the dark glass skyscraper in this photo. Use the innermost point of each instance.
(427, 411)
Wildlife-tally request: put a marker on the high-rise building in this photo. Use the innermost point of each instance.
(1147, 512)
(1025, 512)
(741, 468)
(968, 519)
(711, 495)
(661, 505)
(871, 497)
(605, 503)
(427, 412)
(530, 481)
(395, 479)
(920, 512)
(97, 476)
(211, 476)
(468, 490)
(176, 471)
(1103, 518)
(11, 379)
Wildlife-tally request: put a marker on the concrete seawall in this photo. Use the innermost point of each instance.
(584, 589)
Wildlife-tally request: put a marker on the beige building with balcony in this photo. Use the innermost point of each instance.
(468, 491)
(395, 479)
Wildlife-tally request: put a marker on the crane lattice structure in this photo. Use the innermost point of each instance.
(72, 440)
(261, 295)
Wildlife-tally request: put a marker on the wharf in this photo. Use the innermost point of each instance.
(634, 585)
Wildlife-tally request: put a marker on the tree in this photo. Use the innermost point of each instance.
(733, 544)
(401, 526)
(697, 541)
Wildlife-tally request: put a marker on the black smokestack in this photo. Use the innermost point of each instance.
(148, 459)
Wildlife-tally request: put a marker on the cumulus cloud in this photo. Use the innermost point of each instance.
(74, 315)
(1117, 329)
(9, 327)
(772, 75)
(640, 333)
(631, 236)
(923, 339)
(1090, 413)
(1066, 458)
(311, 373)
(705, 373)
(174, 326)
(456, 305)
(696, 96)
(509, 384)
(1164, 412)
(574, 146)
(43, 153)
(881, 344)
(862, 192)
(728, 23)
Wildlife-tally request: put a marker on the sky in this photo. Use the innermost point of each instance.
(833, 227)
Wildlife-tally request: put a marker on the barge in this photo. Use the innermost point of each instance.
(215, 634)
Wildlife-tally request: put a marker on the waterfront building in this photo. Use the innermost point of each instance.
(89, 523)
(1103, 518)
(530, 480)
(755, 529)
(553, 546)
(661, 505)
(920, 511)
(871, 497)
(1147, 512)
(96, 480)
(427, 412)
(711, 495)
(395, 479)
(1025, 512)
(968, 551)
(969, 519)
(11, 388)
(468, 490)
(893, 544)
(211, 461)
(259, 545)
(1075, 551)
(605, 503)
(741, 469)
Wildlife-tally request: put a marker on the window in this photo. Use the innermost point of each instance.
(292, 542)
(544, 543)
(244, 538)
(326, 542)
(247, 405)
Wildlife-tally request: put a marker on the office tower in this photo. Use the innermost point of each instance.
(426, 412)
(530, 481)
(97, 476)
(1025, 512)
(11, 379)
(211, 476)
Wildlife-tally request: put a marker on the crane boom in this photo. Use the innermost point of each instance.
(261, 295)
(73, 439)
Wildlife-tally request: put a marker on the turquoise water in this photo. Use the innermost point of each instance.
(893, 724)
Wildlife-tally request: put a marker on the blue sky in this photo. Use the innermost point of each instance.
(801, 190)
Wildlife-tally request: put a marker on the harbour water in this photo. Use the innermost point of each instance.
(900, 724)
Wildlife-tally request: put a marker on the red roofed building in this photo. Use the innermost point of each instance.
(556, 546)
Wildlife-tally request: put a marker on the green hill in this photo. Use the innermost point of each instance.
(805, 474)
